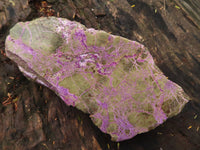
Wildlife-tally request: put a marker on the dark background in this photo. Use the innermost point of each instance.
(33, 118)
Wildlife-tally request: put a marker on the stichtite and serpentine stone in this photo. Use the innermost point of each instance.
(113, 79)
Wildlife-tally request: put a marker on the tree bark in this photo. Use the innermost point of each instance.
(36, 118)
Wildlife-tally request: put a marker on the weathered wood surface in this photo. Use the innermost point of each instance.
(192, 9)
(12, 11)
(42, 121)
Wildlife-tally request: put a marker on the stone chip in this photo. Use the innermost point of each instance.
(113, 79)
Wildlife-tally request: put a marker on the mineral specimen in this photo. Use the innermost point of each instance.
(112, 78)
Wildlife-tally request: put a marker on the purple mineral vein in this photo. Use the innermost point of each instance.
(113, 79)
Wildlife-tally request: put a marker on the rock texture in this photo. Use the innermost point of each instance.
(112, 78)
